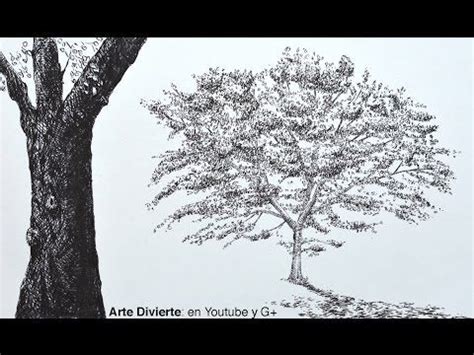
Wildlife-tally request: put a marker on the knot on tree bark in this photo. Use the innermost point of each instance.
(32, 236)
(103, 100)
(51, 203)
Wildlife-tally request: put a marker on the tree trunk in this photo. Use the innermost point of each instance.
(62, 278)
(296, 275)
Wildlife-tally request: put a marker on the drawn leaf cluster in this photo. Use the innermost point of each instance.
(305, 135)
(75, 54)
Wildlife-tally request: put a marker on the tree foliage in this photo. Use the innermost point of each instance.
(303, 141)
(74, 53)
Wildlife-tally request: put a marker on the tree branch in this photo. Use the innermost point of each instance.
(277, 227)
(309, 206)
(336, 97)
(257, 213)
(63, 71)
(398, 167)
(47, 75)
(335, 199)
(409, 170)
(270, 213)
(282, 212)
(339, 125)
(17, 89)
(101, 75)
(357, 136)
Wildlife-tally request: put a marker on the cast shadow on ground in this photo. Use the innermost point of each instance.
(327, 304)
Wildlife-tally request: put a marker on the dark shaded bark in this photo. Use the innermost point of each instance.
(296, 274)
(62, 279)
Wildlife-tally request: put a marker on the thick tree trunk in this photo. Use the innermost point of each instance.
(62, 278)
(296, 275)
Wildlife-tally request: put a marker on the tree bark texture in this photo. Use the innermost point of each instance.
(62, 278)
(296, 274)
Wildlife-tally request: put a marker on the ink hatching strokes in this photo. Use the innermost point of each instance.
(305, 144)
(62, 278)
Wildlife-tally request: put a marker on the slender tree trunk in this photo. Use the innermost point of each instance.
(62, 278)
(296, 275)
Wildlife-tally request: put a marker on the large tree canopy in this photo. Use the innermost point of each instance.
(303, 141)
